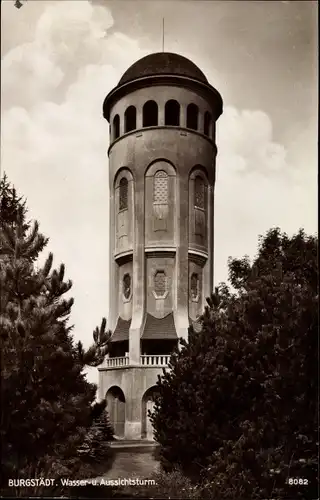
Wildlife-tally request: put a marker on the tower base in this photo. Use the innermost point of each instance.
(130, 392)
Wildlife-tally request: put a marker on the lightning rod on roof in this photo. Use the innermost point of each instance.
(163, 34)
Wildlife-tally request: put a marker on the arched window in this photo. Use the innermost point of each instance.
(172, 113)
(123, 194)
(194, 286)
(150, 114)
(160, 283)
(199, 192)
(192, 116)
(116, 127)
(126, 286)
(160, 187)
(207, 123)
(130, 119)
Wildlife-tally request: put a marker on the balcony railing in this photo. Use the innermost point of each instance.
(117, 362)
(155, 360)
(145, 360)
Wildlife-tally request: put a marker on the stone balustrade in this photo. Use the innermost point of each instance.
(155, 360)
(117, 362)
(145, 360)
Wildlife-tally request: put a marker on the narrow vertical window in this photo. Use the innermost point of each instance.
(116, 127)
(199, 192)
(200, 209)
(126, 286)
(194, 286)
(207, 123)
(150, 114)
(192, 116)
(130, 119)
(172, 113)
(123, 194)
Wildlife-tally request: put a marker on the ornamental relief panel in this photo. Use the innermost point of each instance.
(159, 277)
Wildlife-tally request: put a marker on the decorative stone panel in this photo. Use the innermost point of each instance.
(160, 284)
(159, 280)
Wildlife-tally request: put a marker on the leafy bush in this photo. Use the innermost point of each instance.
(95, 447)
(174, 485)
(239, 404)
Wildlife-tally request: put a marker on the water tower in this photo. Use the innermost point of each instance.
(162, 154)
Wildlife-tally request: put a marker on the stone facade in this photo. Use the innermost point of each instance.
(162, 174)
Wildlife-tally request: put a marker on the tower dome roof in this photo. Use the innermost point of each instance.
(163, 63)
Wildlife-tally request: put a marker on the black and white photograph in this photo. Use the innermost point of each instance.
(159, 298)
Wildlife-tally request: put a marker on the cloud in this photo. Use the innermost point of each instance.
(68, 37)
(54, 140)
(245, 141)
(257, 187)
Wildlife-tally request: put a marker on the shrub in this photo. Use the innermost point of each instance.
(173, 484)
(239, 404)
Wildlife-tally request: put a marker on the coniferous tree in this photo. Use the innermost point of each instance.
(46, 400)
(240, 401)
(11, 205)
(102, 421)
(96, 444)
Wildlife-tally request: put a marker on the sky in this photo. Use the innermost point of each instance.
(59, 59)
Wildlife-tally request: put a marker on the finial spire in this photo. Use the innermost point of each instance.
(163, 34)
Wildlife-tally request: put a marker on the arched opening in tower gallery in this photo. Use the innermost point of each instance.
(150, 114)
(172, 113)
(147, 403)
(192, 116)
(130, 119)
(116, 407)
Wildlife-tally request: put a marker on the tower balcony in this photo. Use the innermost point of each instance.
(155, 360)
(118, 362)
(146, 360)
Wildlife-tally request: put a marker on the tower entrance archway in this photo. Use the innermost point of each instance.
(116, 407)
(148, 401)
